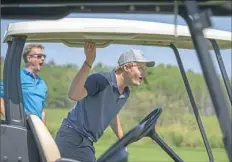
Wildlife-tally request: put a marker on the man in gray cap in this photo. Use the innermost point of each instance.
(99, 98)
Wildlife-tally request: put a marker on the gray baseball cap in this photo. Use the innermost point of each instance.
(134, 55)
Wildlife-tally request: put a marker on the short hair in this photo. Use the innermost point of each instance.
(120, 69)
(28, 48)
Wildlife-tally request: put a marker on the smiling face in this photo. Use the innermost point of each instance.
(134, 73)
(35, 59)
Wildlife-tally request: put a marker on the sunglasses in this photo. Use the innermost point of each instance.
(39, 56)
(141, 67)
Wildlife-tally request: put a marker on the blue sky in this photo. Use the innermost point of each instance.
(109, 55)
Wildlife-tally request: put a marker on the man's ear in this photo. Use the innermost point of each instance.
(127, 67)
(28, 58)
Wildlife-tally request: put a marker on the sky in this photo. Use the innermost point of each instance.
(62, 54)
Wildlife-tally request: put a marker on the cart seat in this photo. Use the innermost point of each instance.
(47, 147)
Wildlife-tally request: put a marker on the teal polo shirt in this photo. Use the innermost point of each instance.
(34, 91)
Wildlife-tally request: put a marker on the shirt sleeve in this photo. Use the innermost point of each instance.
(1, 89)
(95, 83)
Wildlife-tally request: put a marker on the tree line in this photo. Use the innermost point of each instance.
(164, 87)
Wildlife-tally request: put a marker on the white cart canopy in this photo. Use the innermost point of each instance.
(74, 32)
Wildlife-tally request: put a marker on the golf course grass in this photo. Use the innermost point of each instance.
(144, 150)
(153, 153)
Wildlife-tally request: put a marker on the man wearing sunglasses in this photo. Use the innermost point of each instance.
(34, 89)
(99, 97)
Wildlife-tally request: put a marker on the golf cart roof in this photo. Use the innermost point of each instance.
(75, 31)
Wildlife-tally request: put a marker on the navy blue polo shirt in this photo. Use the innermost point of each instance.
(94, 113)
(34, 91)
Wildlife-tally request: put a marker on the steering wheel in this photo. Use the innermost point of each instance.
(144, 128)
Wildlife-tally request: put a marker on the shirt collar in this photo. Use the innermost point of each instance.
(114, 81)
(24, 69)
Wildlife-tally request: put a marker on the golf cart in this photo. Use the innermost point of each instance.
(36, 143)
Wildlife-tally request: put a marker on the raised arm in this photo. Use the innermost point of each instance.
(77, 90)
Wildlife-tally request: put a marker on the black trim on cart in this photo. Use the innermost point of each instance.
(12, 84)
(23, 9)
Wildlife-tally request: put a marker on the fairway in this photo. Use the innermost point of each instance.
(151, 152)
(143, 151)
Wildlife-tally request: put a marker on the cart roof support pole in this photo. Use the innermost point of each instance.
(193, 103)
(197, 22)
(222, 68)
(12, 84)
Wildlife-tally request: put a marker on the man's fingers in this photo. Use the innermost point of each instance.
(86, 44)
(90, 46)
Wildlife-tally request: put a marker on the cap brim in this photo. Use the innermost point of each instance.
(148, 63)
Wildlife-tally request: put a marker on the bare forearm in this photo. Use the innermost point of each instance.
(2, 107)
(116, 127)
(44, 117)
(77, 90)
